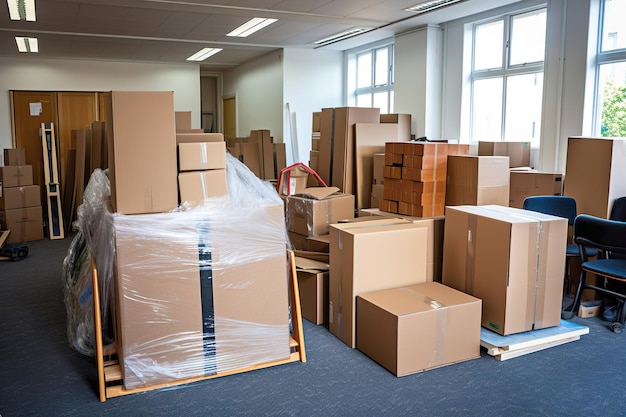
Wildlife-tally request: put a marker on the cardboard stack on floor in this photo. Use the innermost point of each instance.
(20, 200)
(314, 154)
(259, 153)
(199, 291)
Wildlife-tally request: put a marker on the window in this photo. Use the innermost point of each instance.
(610, 119)
(371, 76)
(507, 77)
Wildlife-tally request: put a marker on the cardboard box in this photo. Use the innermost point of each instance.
(196, 186)
(141, 136)
(318, 243)
(313, 286)
(247, 152)
(183, 120)
(370, 256)
(419, 327)
(518, 152)
(200, 156)
(591, 308)
(404, 124)
(294, 180)
(25, 224)
(263, 139)
(512, 259)
(176, 322)
(530, 183)
(477, 180)
(16, 176)
(595, 173)
(19, 197)
(199, 137)
(15, 157)
(317, 117)
(311, 214)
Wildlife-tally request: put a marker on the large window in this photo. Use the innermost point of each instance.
(610, 120)
(507, 77)
(371, 78)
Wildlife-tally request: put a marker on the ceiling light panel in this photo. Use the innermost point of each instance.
(429, 6)
(253, 25)
(22, 10)
(204, 54)
(25, 44)
(341, 36)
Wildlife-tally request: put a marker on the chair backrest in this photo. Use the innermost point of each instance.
(556, 205)
(618, 211)
(595, 232)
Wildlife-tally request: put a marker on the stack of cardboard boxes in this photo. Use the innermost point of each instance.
(20, 200)
(202, 171)
(259, 153)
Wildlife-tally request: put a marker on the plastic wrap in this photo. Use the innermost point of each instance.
(198, 291)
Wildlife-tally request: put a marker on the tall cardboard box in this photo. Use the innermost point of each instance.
(595, 173)
(531, 183)
(419, 327)
(477, 180)
(512, 259)
(141, 136)
(370, 256)
(518, 152)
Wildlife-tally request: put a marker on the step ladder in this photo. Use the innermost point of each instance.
(56, 229)
(110, 377)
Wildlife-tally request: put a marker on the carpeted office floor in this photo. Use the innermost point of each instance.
(41, 375)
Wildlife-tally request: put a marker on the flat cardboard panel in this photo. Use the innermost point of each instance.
(199, 137)
(142, 151)
(370, 256)
(200, 156)
(280, 158)
(419, 327)
(16, 176)
(20, 197)
(25, 224)
(595, 173)
(196, 186)
(518, 152)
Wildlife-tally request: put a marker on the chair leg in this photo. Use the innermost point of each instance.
(568, 314)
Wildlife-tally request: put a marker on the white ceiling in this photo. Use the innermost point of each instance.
(168, 31)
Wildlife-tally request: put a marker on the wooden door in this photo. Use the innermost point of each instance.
(30, 110)
(230, 118)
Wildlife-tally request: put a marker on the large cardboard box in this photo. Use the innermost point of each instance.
(518, 152)
(531, 183)
(370, 256)
(419, 327)
(197, 295)
(310, 215)
(25, 224)
(16, 176)
(196, 186)
(313, 286)
(18, 197)
(200, 156)
(512, 259)
(141, 136)
(477, 180)
(595, 173)
(336, 166)
(15, 156)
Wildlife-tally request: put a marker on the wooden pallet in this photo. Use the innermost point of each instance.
(513, 346)
(110, 378)
(56, 229)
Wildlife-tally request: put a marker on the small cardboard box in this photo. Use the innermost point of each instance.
(195, 186)
(313, 285)
(25, 224)
(19, 197)
(477, 180)
(310, 212)
(530, 183)
(419, 327)
(16, 176)
(591, 308)
(518, 152)
(15, 156)
(201, 156)
(369, 256)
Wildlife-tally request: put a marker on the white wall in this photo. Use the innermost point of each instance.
(312, 80)
(60, 75)
(258, 89)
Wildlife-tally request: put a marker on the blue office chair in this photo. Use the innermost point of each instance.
(609, 238)
(618, 211)
(561, 206)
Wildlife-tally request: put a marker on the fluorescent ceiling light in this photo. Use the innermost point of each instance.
(27, 44)
(251, 26)
(22, 10)
(429, 6)
(341, 36)
(203, 54)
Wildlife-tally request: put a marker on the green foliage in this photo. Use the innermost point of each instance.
(614, 110)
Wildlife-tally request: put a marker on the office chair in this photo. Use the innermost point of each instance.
(561, 206)
(618, 211)
(609, 238)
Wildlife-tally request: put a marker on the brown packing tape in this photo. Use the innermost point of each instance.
(471, 252)
(541, 278)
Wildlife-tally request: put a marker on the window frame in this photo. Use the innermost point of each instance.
(353, 92)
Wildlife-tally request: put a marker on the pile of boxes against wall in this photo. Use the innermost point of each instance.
(259, 153)
(20, 200)
(199, 284)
